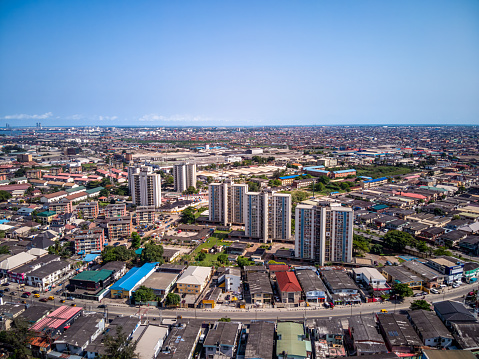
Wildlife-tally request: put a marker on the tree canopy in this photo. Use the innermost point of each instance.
(172, 299)
(402, 290)
(120, 253)
(188, 215)
(18, 338)
(118, 346)
(144, 294)
(420, 304)
(135, 240)
(5, 196)
(152, 253)
(397, 240)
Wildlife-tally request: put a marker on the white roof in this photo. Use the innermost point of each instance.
(38, 252)
(16, 261)
(369, 272)
(195, 275)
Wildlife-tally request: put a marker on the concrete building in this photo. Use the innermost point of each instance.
(193, 280)
(222, 339)
(145, 186)
(430, 329)
(324, 233)
(184, 176)
(267, 216)
(226, 203)
(288, 287)
(313, 288)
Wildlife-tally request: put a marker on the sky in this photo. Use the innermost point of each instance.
(235, 63)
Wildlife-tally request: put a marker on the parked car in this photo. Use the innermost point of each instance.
(434, 291)
(27, 293)
(456, 285)
(6, 284)
(24, 295)
(37, 295)
(44, 300)
(36, 292)
(102, 306)
(418, 295)
(71, 298)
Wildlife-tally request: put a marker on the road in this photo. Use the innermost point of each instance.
(245, 315)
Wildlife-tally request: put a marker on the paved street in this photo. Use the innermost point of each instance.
(119, 308)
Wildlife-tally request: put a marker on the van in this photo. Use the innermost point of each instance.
(37, 295)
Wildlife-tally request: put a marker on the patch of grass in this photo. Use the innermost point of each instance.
(382, 171)
(210, 257)
(400, 260)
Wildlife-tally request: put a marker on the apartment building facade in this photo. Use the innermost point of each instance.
(267, 215)
(184, 176)
(88, 210)
(145, 186)
(324, 233)
(226, 203)
(89, 240)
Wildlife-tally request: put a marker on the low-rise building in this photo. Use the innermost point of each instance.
(161, 283)
(48, 275)
(60, 207)
(181, 342)
(292, 341)
(259, 287)
(135, 277)
(80, 334)
(371, 277)
(222, 339)
(193, 280)
(92, 280)
(453, 312)
(430, 329)
(364, 335)
(260, 340)
(230, 279)
(288, 287)
(341, 287)
(453, 271)
(398, 333)
(313, 287)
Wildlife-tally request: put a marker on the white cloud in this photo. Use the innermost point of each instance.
(153, 117)
(107, 118)
(23, 116)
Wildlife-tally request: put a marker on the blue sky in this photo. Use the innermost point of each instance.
(172, 63)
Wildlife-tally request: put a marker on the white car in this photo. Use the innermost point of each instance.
(434, 291)
(456, 285)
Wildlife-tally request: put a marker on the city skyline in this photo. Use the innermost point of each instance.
(250, 64)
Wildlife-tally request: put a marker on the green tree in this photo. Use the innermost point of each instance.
(397, 240)
(190, 190)
(224, 320)
(299, 196)
(172, 299)
(274, 183)
(135, 240)
(324, 180)
(318, 187)
(188, 215)
(243, 262)
(377, 249)
(18, 338)
(4, 250)
(253, 186)
(360, 243)
(222, 258)
(152, 253)
(402, 290)
(5, 196)
(93, 184)
(201, 257)
(456, 216)
(442, 252)
(420, 304)
(144, 294)
(421, 246)
(118, 346)
(209, 179)
(120, 253)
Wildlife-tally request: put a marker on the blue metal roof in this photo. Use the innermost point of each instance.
(292, 176)
(134, 275)
(344, 171)
(376, 180)
(90, 257)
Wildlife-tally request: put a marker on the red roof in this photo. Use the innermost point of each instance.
(287, 282)
(278, 268)
(412, 195)
(56, 318)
